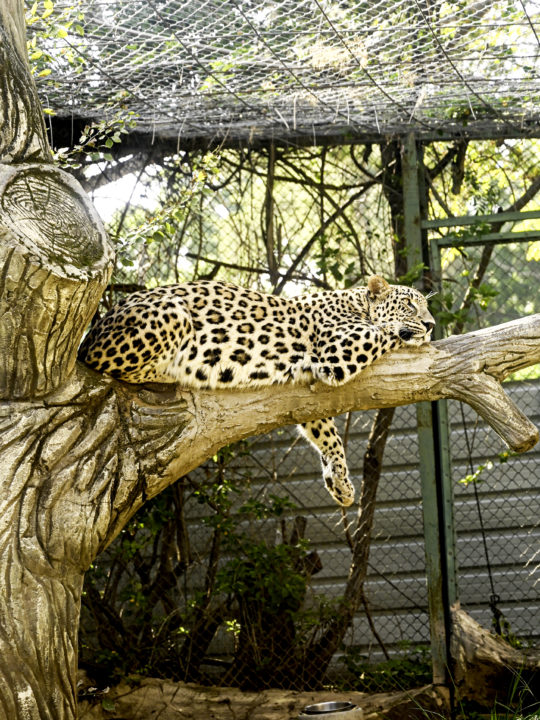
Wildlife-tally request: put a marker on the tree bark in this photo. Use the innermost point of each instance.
(487, 668)
(55, 260)
(22, 129)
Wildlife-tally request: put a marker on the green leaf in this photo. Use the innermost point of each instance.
(108, 705)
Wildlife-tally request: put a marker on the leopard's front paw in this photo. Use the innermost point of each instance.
(336, 479)
(328, 375)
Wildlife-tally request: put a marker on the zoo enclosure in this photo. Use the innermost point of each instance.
(496, 534)
(261, 82)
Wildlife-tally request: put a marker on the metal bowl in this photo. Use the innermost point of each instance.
(328, 707)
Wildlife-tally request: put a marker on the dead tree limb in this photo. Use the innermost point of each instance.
(486, 667)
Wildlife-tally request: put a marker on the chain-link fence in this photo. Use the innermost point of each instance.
(497, 523)
(275, 221)
(238, 574)
(497, 503)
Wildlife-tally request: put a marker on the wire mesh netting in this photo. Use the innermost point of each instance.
(241, 71)
(286, 222)
(497, 523)
(497, 503)
(237, 574)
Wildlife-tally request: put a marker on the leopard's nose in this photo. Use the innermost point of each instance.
(428, 325)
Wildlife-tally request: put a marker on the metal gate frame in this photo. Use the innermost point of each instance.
(432, 417)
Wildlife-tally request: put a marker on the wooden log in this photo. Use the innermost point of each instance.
(168, 701)
(486, 667)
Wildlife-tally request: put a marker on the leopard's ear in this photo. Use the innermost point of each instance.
(377, 285)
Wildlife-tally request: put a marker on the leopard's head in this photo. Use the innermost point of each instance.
(403, 310)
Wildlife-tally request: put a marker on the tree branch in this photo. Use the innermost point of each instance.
(161, 432)
(106, 446)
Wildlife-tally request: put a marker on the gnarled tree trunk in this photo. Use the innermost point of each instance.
(80, 453)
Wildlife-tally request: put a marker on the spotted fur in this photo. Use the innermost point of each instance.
(210, 334)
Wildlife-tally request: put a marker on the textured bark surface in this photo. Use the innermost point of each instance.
(55, 261)
(22, 130)
(170, 701)
(486, 667)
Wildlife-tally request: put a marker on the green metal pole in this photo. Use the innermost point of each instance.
(434, 446)
(412, 216)
(445, 487)
(432, 544)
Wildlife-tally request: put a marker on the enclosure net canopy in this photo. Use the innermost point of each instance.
(306, 71)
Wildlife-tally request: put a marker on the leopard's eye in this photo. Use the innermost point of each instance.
(411, 306)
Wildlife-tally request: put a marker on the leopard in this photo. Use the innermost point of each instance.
(213, 334)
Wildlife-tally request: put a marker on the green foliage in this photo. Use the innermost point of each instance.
(410, 668)
(475, 476)
(484, 284)
(48, 23)
(413, 274)
(330, 261)
(255, 586)
(96, 141)
(450, 310)
(264, 578)
(265, 575)
(155, 245)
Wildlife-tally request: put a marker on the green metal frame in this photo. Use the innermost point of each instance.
(434, 444)
(432, 418)
(436, 244)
